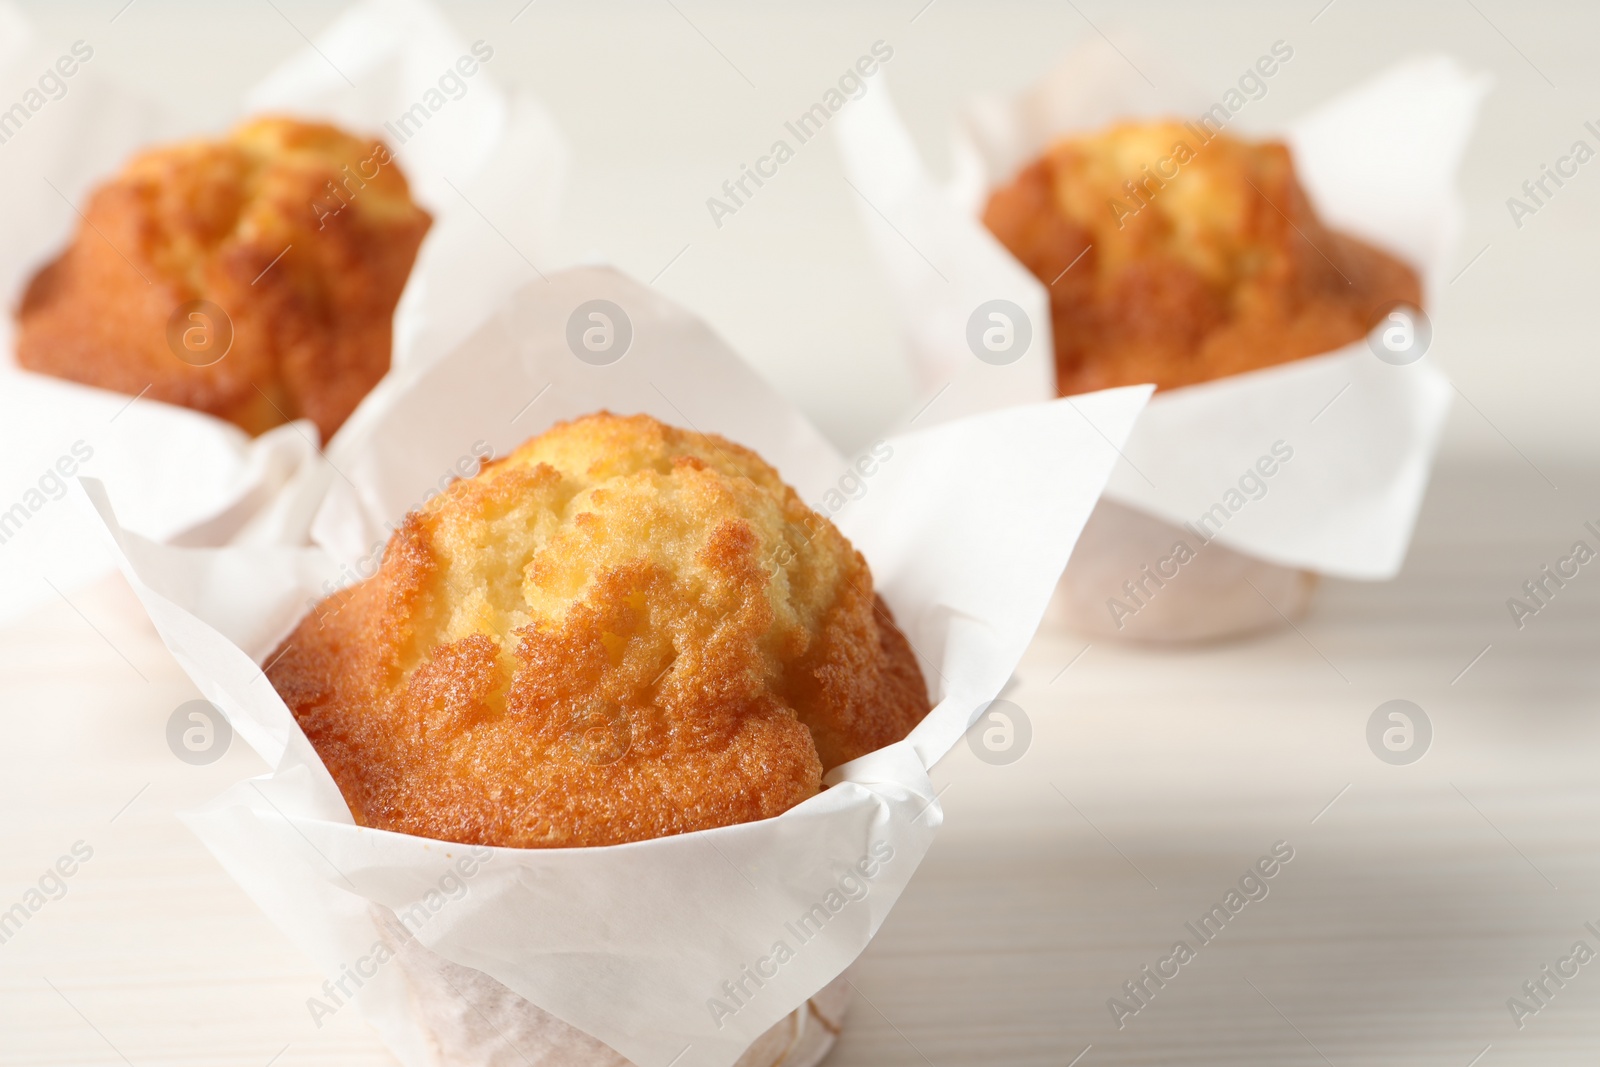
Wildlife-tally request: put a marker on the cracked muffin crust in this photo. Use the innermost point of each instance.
(619, 631)
(1201, 257)
(302, 235)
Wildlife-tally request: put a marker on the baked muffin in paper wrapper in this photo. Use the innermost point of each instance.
(689, 950)
(1378, 162)
(488, 168)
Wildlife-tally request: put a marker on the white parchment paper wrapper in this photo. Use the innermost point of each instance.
(1378, 161)
(966, 525)
(487, 165)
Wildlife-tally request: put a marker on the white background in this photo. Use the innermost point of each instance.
(658, 120)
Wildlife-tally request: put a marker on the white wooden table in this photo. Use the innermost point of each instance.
(1415, 905)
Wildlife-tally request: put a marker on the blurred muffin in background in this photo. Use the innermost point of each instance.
(1177, 255)
(253, 277)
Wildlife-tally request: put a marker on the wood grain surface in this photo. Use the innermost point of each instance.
(1418, 901)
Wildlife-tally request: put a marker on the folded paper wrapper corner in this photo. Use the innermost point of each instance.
(1378, 161)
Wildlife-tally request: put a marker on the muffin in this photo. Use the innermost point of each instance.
(620, 631)
(1177, 255)
(253, 277)
(1201, 257)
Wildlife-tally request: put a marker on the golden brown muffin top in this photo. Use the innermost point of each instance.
(203, 196)
(302, 234)
(620, 631)
(1201, 256)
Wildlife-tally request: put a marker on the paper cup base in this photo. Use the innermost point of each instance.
(469, 1019)
(1216, 594)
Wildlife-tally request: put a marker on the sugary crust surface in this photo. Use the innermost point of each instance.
(1214, 263)
(301, 233)
(620, 631)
